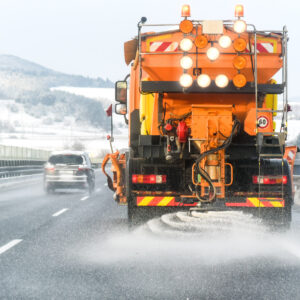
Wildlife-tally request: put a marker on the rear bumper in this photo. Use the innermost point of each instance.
(66, 181)
(59, 184)
(246, 202)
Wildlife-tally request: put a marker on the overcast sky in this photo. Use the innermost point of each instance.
(86, 36)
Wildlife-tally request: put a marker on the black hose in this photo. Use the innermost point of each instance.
(203, 173)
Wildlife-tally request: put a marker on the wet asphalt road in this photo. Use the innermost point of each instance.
(73, 246)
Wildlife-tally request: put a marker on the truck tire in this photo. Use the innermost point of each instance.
(280, 219)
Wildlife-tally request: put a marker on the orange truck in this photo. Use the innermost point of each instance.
(201, 112)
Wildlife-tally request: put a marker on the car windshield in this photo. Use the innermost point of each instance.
(66, 159)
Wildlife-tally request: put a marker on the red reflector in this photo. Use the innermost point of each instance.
(149, 179)
(284, 179)
(168, 127)
(82, 169)
(182, 132)
(255, 179)
(134, 178)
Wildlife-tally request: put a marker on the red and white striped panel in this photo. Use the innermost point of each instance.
(163, 47)
(291, 155)
(262, 47)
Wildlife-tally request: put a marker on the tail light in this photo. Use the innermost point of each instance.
(49, 170)
(270, 179)
(82, 169)
(149, 179)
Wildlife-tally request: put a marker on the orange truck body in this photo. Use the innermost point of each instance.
(208, 147)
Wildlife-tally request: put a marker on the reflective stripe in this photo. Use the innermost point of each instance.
(165, 201)
(277, 203)
(163, 46)
(255, 202)
(156, 201)
(264, 45)
(258, 202)
(144, 201)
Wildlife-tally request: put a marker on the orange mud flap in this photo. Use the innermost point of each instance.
(117, 183)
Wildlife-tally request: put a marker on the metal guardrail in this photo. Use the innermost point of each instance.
(22, 154)
(6, 172)
(17, 161)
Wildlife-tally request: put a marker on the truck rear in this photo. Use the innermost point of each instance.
(201, 110)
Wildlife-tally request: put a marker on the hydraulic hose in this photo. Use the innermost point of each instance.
(204, 174)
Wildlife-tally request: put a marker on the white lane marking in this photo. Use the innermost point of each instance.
(105, 184)
(294, 249)
(9, 245)
(84, 198)
(60, 212)
(98, 190)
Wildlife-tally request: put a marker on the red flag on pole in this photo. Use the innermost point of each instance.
(109, 111)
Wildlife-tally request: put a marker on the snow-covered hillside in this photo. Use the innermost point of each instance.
(36, 114)
(105, 95)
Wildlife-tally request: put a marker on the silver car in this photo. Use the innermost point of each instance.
(69, 169)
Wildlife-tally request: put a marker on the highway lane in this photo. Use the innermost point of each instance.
(87, 252)
(26, 208)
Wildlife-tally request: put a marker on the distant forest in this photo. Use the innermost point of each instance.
(29, 84)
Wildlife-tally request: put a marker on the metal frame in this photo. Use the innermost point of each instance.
(175, 87)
